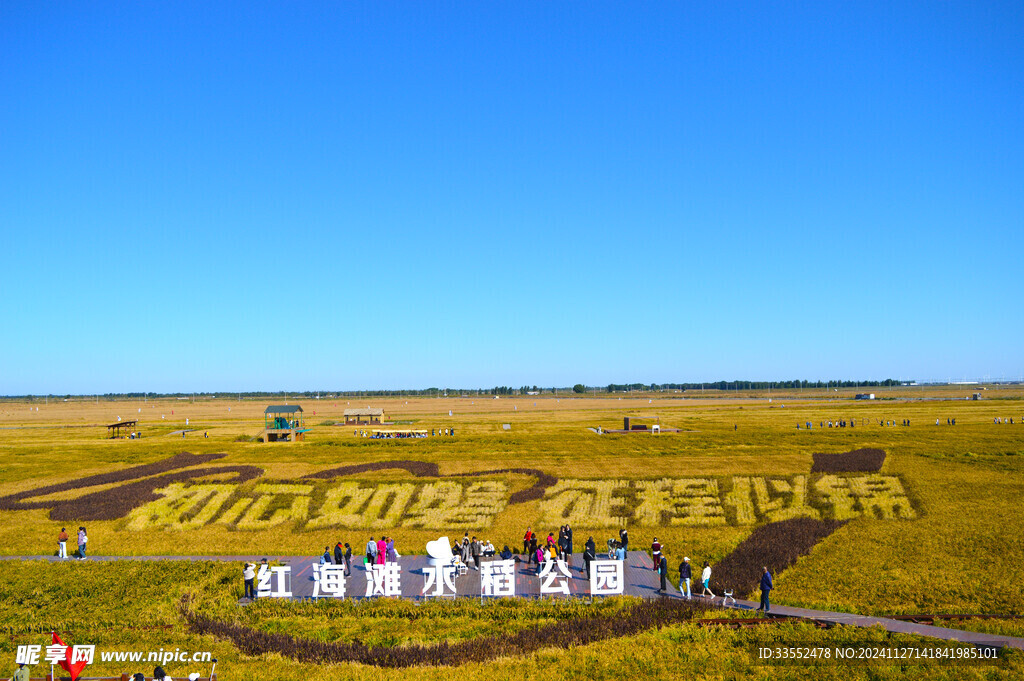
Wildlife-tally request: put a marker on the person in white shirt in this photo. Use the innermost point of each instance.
(249, 575)
(705, 579)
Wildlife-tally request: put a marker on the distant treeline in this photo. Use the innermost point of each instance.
(751, 385)
(579, 388)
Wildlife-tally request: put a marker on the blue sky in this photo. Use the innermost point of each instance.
(242, 196)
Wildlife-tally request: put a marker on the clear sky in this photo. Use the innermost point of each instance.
(261, 196)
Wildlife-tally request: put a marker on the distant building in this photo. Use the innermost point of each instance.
(364, 417)
(283, 423)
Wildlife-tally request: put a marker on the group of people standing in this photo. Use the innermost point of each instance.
(62, 543)
(553, 549)
(381, 551)
(470, 551)
(342, 556)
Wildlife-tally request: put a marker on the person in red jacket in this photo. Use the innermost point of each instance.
(526, 542)
(656, 553)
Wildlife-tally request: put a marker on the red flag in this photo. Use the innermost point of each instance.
(74, 669)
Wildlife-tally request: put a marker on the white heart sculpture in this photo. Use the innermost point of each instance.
(440, 549)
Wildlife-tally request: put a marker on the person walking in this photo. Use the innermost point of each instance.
(62, 544)
(663, 572)
(705, 579)
(371, 552)
(249, 580)
(685, 574)
(766, 586)
(656, 553)
(83, 539)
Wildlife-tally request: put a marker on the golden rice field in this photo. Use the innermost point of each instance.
(953, 545)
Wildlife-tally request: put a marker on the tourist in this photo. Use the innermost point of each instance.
(325, 559)
(568, 544)
(249, 581)
(589, 554)
(562, 540)
(540, 558)
(159, 673)
(620, 553)
(465, 551)
(371, 552)
(475, 550)
(663, 573)
(382, 550)
(624, 538)
(766, 586)
(339, 554)
(348, 559)
(62, 544)
(685, 574)
(526, 542)
(21, 673)
(533, 544)
(506, 553)
(82, 541)
(488, 549)
(656, 553)
(705, 579)
(392, 554)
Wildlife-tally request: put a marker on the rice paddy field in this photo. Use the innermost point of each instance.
(937, 529)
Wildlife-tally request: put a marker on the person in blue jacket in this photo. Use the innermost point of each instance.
(766, 586)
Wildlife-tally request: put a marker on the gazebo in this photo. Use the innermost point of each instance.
(283, 422)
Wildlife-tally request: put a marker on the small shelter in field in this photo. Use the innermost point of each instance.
(283, 422)
(633, 424)
(115, 428)
(364, 417)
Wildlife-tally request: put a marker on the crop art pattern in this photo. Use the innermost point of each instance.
(739, 500)
(174, 494)
(437, 505)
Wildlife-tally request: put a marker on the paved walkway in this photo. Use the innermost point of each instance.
(890, 625)
(641, 580)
